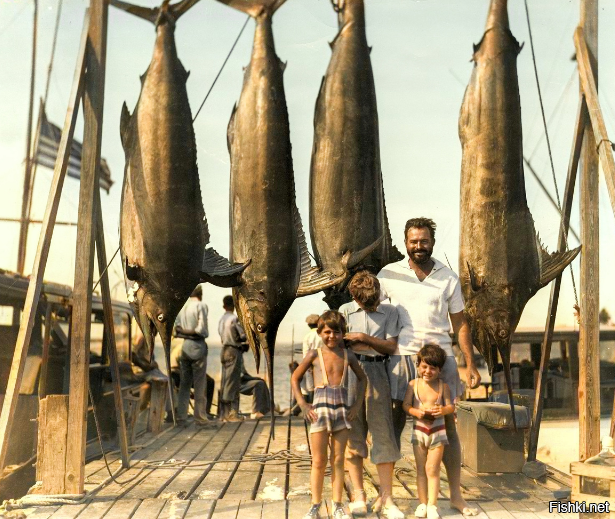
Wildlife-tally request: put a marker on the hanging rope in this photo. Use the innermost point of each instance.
(544, 121)
(221, 68)
(108, 265)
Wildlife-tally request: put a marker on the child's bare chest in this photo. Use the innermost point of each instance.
(329, 368)
(428, 395)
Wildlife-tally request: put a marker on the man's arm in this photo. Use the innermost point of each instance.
(464, 339)
(383, 346)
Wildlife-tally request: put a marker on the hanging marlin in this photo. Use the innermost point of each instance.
(502, 263)
(163, 230)
(265, 225)
(348, 219)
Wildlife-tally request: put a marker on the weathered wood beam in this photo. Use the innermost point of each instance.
(110, 332)
(589, 333)
(93, 102)
(42, 252)
(545, 356)
(42, 380)
(588, 84)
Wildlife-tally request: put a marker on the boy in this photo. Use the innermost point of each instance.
(372, 332)
(428, 400)
(329, 413)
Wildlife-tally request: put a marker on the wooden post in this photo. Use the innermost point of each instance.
(545, 356)
(110, 331)
(42, 253)
(93, 101)
(589, 333)
(157, 402)
(42, 381)
(52, 441)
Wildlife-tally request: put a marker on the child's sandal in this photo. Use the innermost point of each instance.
(432, 512)
(421, 511)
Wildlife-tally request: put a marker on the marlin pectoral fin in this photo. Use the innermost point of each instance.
(316, 280)
(552, 265)
(254, 7)
(474, 281)
(147, 13)
(353, 259)
(219, 271)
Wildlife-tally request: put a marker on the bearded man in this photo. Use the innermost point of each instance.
(426, 294)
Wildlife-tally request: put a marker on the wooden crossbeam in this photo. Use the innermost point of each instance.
(42, 252)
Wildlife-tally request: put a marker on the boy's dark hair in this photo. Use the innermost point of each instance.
(334, 320)
(364, 288)
(431, 354)
(228, 302)
(420, 223)
(197, 292)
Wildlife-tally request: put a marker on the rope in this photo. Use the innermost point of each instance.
(106, 268)
(221, 68)
(544, 121)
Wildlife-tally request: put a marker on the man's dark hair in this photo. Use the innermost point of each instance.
(228, 302)
(421, 223)
(364, 288)
(197, 292)
(431, 354)
(334, 320)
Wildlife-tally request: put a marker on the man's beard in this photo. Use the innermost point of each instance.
(420, 260)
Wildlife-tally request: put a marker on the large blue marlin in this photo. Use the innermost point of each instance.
(163, 230)
(502, 263)
(348, 219)
(265, 223)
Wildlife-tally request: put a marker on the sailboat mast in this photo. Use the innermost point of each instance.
(23, 229)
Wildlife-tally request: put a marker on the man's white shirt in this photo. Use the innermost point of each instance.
(423, 306)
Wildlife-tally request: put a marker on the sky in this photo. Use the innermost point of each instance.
(421, 51)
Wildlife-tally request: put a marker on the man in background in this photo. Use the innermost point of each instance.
(234, 377)
(191, 325)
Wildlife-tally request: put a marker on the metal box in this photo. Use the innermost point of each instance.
(489, 443)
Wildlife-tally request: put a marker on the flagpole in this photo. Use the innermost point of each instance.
(23, 228)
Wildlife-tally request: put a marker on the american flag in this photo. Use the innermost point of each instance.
(47, 152)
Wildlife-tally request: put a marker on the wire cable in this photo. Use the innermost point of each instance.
(221, 68)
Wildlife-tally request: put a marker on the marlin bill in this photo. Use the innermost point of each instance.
(502, 263)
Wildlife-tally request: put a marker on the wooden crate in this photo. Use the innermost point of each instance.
(580, 471)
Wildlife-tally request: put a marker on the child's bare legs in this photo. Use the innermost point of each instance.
(339, 440)
(355, 471)
(432, 468)
(319, 442)
(420, 458)
(385, 474)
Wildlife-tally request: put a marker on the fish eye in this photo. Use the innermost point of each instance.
(161, 318)
(503, 334)
(260, 328)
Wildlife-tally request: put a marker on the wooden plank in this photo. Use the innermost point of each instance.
(174, 509)
(123, 509)
(541, 381)
(275, 509)
(49, 322)
(200, 509)
(518, 510)
(589, 332)
(96, 509)
(109, 324)
(226, 509)
(51, 450)
(43, 512)
(298, 506)
(495, 510)
(249, 509)
(273, 483)
(137, 474)
(82, 293)
(220, 475)
(42, 252)
(157, 404)
(149, 509)
(299, 473)
(68, 511)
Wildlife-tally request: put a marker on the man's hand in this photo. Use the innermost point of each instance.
(309, 413)
(472, 376)
(355, 337)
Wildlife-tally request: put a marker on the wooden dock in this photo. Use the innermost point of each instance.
(172, 477)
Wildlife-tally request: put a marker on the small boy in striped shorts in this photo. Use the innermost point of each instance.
(428, 400)
(330, 414)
